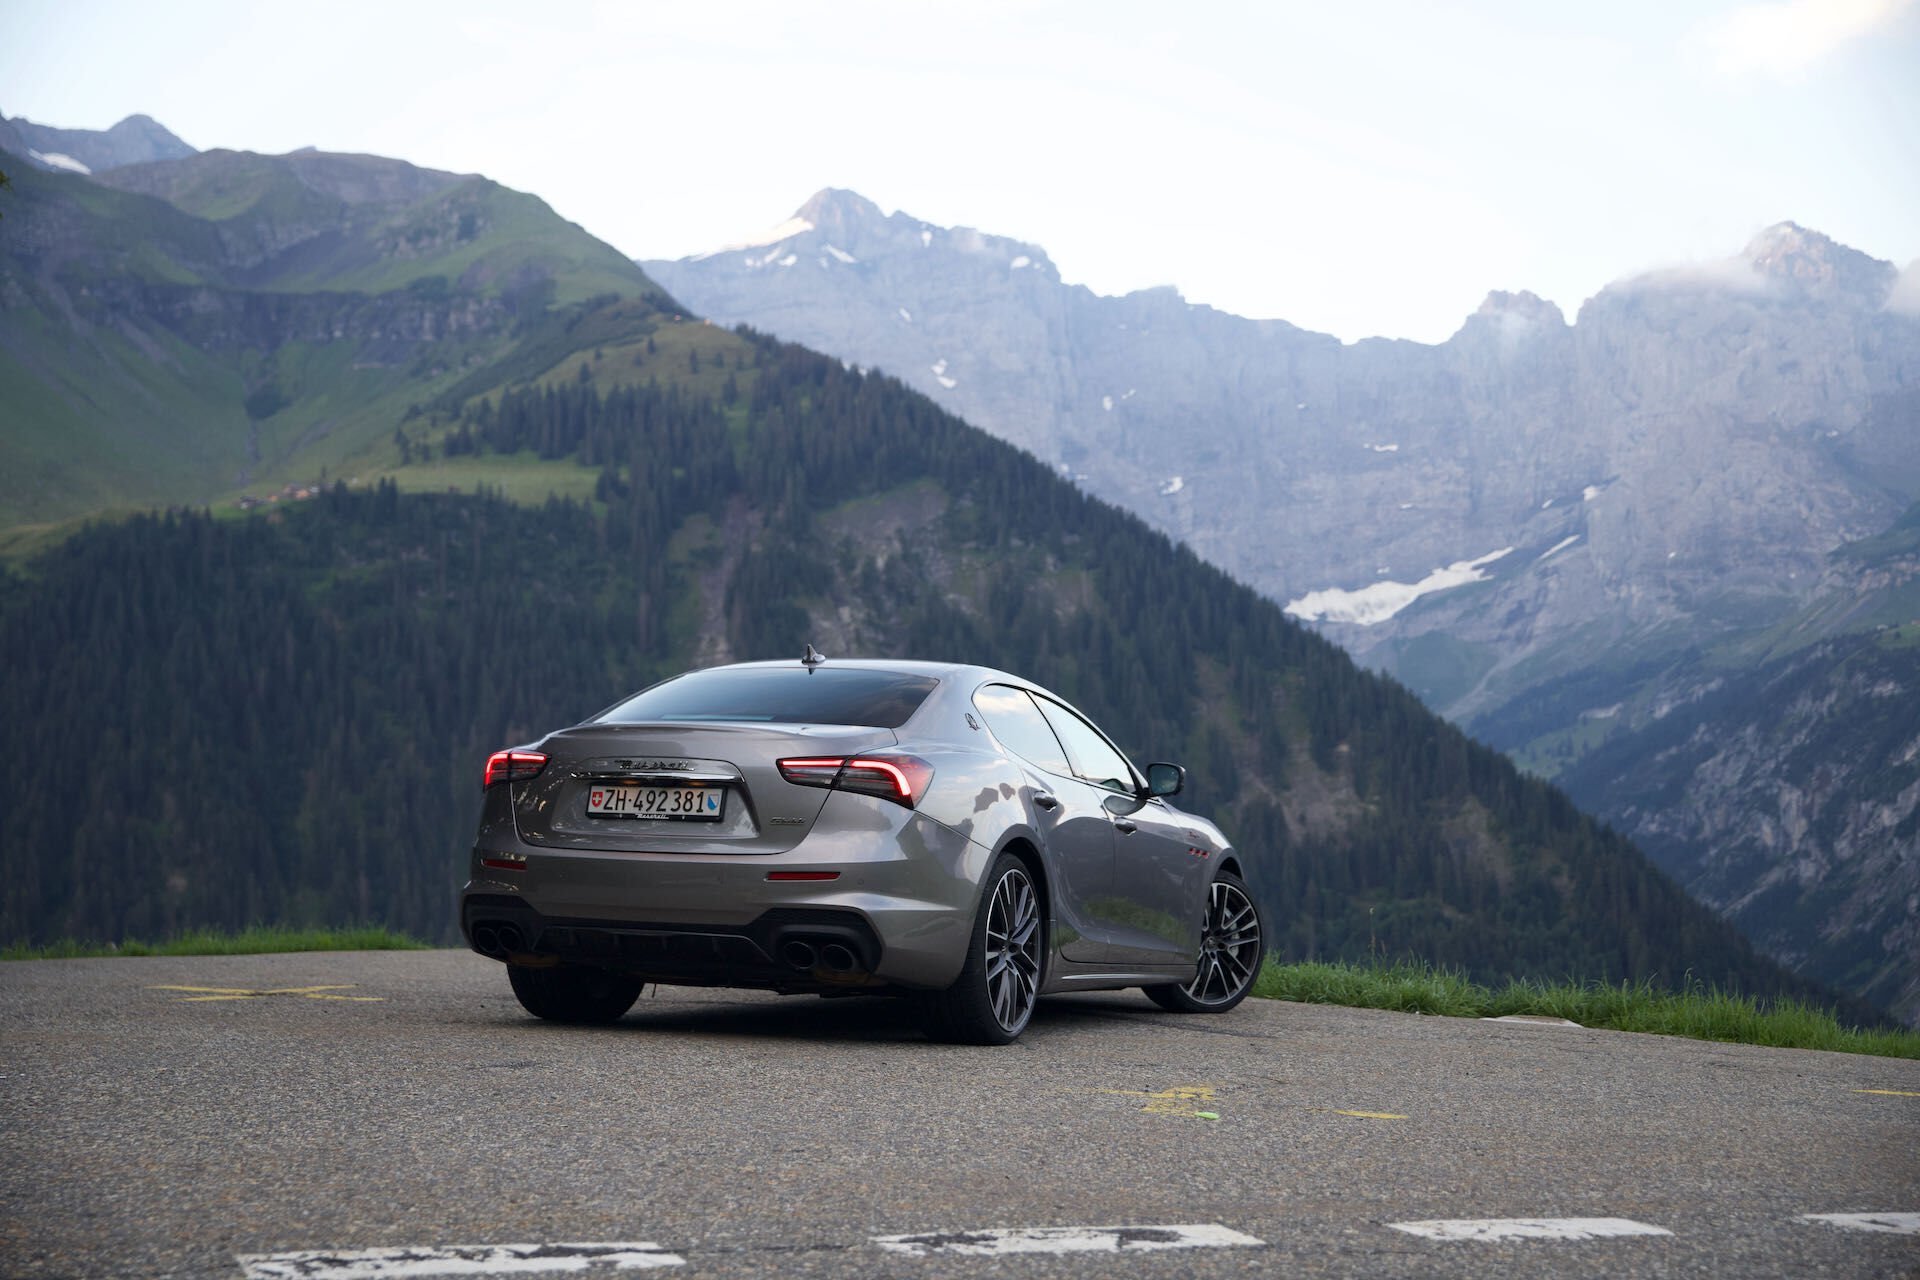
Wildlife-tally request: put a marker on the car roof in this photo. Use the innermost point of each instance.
(905, 666)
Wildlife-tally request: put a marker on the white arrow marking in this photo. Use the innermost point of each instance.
(1902, 1224)
(1527, 1228)
(1065, 1240)
(453, 1260)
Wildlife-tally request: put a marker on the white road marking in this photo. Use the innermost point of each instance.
(1533, 1020)
(1901, 1224)
(1527, 1228)
(1203, 1235)
(453, 1260)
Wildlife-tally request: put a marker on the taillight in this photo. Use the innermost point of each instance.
(512, 766)
(902, 779)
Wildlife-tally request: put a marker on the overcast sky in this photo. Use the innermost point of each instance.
(1355, 167)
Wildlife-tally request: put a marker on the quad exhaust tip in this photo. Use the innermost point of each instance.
(838, 959)
(800, 955)
(497, 941)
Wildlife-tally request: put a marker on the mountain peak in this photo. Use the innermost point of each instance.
(832, 208)
(1801, 257)
(1525, 305)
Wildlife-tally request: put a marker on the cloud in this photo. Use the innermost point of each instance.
(1905, 296)
(1786, 38)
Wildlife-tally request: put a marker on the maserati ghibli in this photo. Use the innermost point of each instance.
(949, 833)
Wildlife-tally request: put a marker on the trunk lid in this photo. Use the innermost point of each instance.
(760, 812)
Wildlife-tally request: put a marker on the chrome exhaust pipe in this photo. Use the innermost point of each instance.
(838, 959)
(799, 955)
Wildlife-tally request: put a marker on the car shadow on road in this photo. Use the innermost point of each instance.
(871, 1019)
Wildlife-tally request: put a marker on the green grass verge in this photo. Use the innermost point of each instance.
(256, 940)
(1697, 1013)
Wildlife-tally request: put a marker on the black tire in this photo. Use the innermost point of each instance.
(992, 1000)
(1232, 945)
(573, 993)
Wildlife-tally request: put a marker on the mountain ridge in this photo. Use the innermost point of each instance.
(135, 139)
(1557, 530)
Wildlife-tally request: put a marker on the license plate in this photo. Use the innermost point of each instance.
(697, 804)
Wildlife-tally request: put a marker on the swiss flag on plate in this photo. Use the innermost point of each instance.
(597, 793)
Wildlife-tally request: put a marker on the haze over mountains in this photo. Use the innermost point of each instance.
(1557, 532)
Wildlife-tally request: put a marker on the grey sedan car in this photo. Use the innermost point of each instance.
(951, 833)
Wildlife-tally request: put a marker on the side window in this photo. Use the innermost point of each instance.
(1014, 719)
(1093, 756)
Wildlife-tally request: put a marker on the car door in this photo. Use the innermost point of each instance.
(1148, 909)
(1159, 869)
(1073, 824)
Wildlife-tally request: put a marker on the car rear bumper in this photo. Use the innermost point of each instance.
(901, 904)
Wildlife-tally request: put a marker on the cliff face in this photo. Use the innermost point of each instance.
(1789, 801)
(1529, 500)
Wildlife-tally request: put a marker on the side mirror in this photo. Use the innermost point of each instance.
(1165, 779)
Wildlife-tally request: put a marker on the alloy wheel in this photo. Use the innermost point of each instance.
(1013, 949)
(1229, 946)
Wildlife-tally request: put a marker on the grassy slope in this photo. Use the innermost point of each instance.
(259, 940)
(1697, 1013)
(124, 415)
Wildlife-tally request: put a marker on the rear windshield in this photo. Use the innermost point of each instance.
(781, 695)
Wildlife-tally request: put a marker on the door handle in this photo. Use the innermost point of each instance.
(1124, 827)
(1045, 801)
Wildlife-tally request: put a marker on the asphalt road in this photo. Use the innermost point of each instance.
(146, 1132)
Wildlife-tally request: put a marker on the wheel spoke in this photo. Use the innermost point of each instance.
(1013, 951)
(1230, 946)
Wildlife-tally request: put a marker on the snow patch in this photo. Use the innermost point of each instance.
(1591, 492)
(842, 254)
(1406, 506)
(58, 160)
(906, 315)
(1558, 547)
(926, 238)
(1131, 393)
(943, 380)
(1379, 601)
(789, 260)
(1106, 402)
(1384, 448)
(939, 366)
(1301, 405)
(1022, 261)
(1173, 486)
(1546, 504)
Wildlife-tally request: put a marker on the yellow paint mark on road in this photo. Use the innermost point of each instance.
(1183, 1100)
(1371, 1115)
(1890, 1093)
(244, 993)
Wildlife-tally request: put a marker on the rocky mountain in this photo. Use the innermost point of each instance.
(1782, 785)
(186, 329)
(1531, 501)
(134, 140)
(1638, 528)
